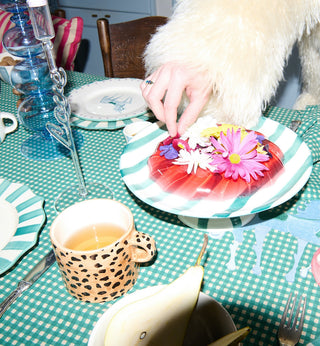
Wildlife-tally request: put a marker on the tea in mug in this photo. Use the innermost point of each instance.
(94, 237)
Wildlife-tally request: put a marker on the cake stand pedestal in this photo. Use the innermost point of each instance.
(216, 225)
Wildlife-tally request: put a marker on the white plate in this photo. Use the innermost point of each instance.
(209, 321)
(106, 125)
(297, 169)
(31, 216)
(113, 100)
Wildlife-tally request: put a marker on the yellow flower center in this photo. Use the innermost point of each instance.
(234, 158)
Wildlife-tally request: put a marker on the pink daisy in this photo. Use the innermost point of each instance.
(238, 158)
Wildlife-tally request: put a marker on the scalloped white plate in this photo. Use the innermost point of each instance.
(110, 100)
(28, 207)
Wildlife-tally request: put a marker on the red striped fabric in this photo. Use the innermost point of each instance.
(67, 40)
(65, 43)
(5, 24)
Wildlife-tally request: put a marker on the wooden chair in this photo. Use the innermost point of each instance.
(59, 12)
(122, 45)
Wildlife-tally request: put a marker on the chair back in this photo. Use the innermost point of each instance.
(123, 44)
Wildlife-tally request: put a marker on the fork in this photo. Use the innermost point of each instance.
(289, 335)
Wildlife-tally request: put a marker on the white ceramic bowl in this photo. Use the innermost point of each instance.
(209, 321)
(132, 129)
(5, 71)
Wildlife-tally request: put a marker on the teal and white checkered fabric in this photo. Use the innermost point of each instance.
(250, 271)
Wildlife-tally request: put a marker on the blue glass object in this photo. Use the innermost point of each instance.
(31, 77)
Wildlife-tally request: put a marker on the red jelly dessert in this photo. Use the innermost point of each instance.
(229, 162)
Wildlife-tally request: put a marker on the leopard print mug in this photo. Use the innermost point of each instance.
(105, 273)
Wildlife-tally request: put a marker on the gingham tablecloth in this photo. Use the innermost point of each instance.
(249, 271)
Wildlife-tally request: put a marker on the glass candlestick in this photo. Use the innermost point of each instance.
(61, 130)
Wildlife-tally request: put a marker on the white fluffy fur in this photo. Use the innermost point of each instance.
(242, 46)
(309, 48)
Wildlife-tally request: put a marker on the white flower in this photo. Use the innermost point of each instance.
(193, 133)
(194, 159)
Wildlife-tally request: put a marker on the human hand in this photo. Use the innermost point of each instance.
(164, 94)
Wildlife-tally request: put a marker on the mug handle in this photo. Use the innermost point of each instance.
(143, 247)
(13, 126)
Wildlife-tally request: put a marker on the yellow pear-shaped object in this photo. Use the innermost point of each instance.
(160, 319)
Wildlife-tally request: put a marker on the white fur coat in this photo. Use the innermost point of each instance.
(242, 46)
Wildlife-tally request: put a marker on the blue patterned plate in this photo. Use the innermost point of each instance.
(31, 217)
(297, 163)
(112, 99)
